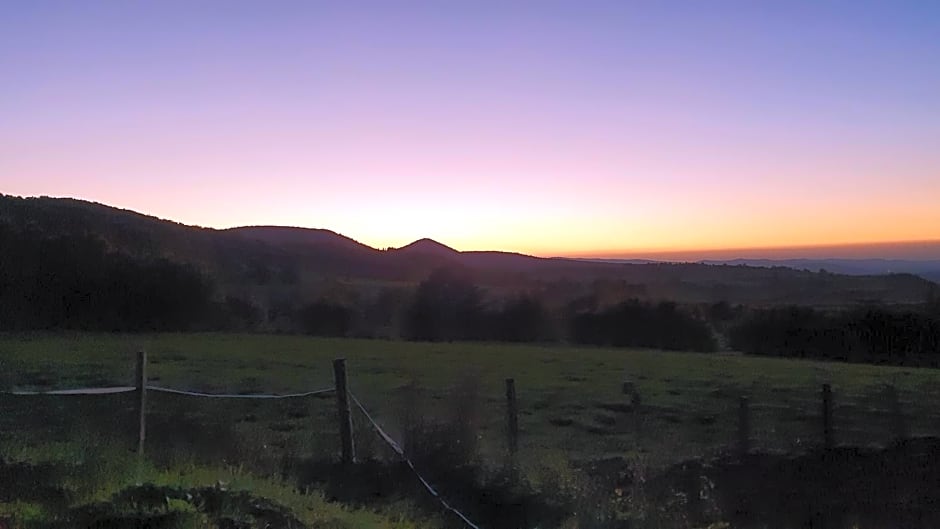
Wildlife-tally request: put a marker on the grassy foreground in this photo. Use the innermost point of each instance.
(572, 406)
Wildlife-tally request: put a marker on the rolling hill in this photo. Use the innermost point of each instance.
(256, 258)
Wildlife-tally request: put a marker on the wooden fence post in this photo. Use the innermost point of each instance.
(342, 408)
(828, 440)
(142, 400)
(744, 426)
(512, 416)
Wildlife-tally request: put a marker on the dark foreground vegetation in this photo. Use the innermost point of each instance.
(834, 490)
(840, 488)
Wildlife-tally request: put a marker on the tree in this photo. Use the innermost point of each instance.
(324, 318)
(446, 306)
(520, 320)
(635, 323)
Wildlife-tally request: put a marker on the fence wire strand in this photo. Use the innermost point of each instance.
(237, 396)
(76, 391)
(398, 450)
(128, 389)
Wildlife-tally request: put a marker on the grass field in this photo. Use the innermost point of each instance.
(572, 407)
(570, 399)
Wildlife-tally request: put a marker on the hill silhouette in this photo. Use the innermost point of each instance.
(274, 256)
(428, 247)
(291, 236)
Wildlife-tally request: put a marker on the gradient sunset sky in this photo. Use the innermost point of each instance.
(553, 128)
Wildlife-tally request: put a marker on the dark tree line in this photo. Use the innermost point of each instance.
(635, 323)
(323, 318)
(448, 307)
(76, 283)
(871, 334)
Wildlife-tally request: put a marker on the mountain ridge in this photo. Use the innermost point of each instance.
(276, 257)
(294, 235)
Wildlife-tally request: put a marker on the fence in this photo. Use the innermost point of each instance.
(746, 416)
(344, 416)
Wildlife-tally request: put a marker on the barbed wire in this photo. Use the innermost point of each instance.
(398, 450)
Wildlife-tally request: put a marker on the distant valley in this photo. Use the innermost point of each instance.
(928, 268)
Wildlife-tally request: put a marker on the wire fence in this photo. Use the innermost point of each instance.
(789, 421)
(77, 391)
(398, 450)
(143, 388)
(236, 395)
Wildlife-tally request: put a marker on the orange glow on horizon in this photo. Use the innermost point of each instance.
(893, 249)
(646, 233)
(552, 130)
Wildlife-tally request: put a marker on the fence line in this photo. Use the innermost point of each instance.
(76, 391)
(237, 395)
(826, 416)
(128, 389)
(378, 429)
(398, 450)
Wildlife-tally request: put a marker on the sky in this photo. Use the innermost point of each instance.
(583, 128)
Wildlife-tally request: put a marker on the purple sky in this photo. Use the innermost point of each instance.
(543, 127)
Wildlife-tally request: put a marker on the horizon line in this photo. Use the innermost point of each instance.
(930, 246)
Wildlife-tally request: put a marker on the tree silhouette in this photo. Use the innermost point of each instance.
(447, 306)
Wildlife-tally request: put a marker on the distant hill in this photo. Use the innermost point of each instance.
(917, 250)
(288, 236)
(428, 247)
(272, 262)
(928, 269)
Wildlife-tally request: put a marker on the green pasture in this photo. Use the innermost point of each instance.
(571, 400)
(73, 454)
